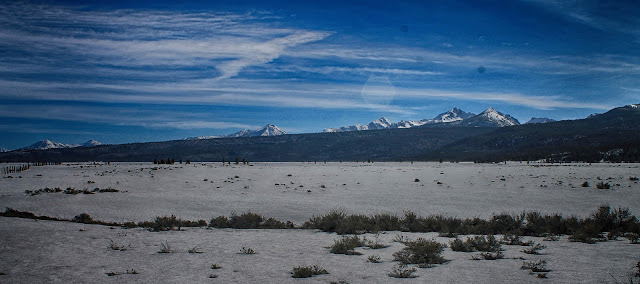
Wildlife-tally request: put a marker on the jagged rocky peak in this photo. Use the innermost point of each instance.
(381, 123)
(454, 114)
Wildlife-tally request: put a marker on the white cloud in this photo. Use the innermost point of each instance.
(57, 35)
(274, 93)
(266, 52)
(116, 116)
(361, 70)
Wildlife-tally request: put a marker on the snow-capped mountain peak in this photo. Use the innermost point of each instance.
(489, 118)
(383, 120)
(381, 123)
(47, 144)
(454, 114)
(267, 130)
(499, 118)
(534, 120)
(90, 143)
(2, 150)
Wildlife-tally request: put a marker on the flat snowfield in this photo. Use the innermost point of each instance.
(63, 252)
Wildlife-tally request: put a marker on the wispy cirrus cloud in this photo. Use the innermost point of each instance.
(53, 35)
(119, 115)
(268, 51)
(273, 93)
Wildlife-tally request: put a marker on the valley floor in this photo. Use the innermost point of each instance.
(63, 252)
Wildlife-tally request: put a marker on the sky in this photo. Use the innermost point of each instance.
(121, 72)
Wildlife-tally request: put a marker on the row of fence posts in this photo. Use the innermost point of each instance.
(21, 168)
(15, 169)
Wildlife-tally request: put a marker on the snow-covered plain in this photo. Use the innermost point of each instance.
(62, 252)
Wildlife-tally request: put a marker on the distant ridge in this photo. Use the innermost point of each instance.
(267, 130)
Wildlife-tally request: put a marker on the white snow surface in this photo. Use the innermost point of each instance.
(2, 150)
(467, 190)
(61, 252)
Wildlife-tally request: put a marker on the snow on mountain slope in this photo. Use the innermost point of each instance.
(409, 123)
(47, 144)
(540, 120)
(381, 123)
(490, 118)
(267, 130)
(454, 114)
(2, 150)
(90, 143)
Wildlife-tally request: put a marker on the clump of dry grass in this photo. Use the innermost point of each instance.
(402, 271)
(307, 271)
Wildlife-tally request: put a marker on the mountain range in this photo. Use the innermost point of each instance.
(454, 117)
(610, 136)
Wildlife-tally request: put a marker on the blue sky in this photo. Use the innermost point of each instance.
(118, 72)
